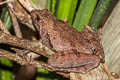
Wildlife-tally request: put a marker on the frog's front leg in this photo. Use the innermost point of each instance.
(94, 39)
(73, 62)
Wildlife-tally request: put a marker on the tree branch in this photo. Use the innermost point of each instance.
(35, 46)
(27, 61)
(96, 74)
(16, 26)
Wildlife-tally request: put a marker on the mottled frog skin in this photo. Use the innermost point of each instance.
(74, 51)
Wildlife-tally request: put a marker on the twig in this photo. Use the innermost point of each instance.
(23, 60)
(19, 59)
(15, 25)
(26, 61)
(21, 14)
(107, 71)
(35, 46)
(4, 2)
(18, 33)
(26, 4)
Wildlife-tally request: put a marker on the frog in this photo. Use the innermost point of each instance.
(74, 51)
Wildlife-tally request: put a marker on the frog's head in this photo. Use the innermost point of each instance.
(39, 17)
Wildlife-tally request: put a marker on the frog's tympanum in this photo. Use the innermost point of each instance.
(74, 51)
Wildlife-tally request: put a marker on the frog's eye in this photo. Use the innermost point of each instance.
(37, 18)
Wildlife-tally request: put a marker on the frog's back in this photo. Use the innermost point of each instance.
(65, 37)
(57, 34)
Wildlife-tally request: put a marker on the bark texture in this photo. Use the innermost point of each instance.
(111, 40)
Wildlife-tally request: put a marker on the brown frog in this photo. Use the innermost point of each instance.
(75, 51)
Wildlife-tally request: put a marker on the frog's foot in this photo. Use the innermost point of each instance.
(25, 54)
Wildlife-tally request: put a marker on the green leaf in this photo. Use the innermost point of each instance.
(5, 74)
(46, 75)
(84, 13)
(6, 62)
(35, 2)
(5, 17)
(43, 73)
(51, 4)
(99, 13)
(48, 4)
(66, 9)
